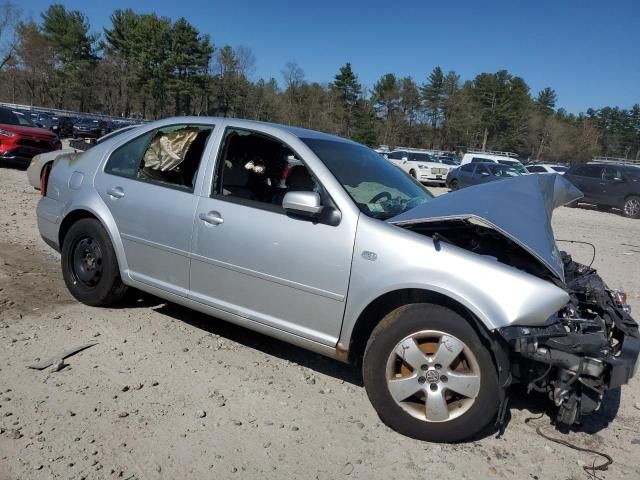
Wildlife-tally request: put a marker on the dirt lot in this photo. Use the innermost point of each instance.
(169, 393)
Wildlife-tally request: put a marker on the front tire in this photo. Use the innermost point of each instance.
(429, 376)
(413, 173)
(454, 185)
(89, 265)
(632, 207)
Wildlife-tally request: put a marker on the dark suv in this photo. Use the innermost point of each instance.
(608, 185)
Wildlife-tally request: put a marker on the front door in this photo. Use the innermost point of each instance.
(148, 186)
(250, 258)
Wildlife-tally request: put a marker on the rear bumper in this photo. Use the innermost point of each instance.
(49, 215)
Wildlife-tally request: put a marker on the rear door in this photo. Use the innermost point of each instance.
(148, 186)
(614, 186)
(465, 173)
(588, 179)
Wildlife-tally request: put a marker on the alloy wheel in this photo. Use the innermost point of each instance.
(632, 207)
(433, 376)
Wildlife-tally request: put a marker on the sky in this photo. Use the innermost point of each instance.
(587, 50)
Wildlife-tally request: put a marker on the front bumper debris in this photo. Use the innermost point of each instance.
(591, 346)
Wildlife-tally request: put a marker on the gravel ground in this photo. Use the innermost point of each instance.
(169, 393)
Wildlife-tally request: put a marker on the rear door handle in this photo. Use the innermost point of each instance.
(212, 218)
(115, 192)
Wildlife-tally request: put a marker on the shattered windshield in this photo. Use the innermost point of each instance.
(379, 188)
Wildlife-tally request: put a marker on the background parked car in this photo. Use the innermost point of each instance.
(608, 185)
(21, 139)
(41, 163)
(65, 126)
(89, 128)
(547, 168)
(488, 157)
(477, 173)
(420, 165)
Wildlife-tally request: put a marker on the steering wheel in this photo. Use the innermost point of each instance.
(380, 196)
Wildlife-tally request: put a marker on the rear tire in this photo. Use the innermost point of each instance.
(450, 397)
(89, 265)
(632, 207)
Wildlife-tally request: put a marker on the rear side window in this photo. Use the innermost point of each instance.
(125, 160)
(589, 171)
(168, 156)
(611, 173)
(536, 169)
(478, 159)
(395, 156)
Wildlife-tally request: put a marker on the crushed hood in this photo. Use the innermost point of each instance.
(519, 208)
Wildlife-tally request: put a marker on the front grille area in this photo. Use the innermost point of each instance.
(439, 171)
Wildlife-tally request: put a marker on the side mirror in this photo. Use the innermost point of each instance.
(302, 203)
(404, 159)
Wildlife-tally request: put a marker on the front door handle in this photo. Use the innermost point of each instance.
(212, 218)
(115, 192)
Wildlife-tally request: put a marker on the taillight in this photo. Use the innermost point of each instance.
(44, 179)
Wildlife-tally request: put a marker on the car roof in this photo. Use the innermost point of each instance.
(240, 123)
(633, 168)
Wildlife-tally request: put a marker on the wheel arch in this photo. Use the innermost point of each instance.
(80, 213)
(375, 311)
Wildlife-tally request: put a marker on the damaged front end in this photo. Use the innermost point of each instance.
(588, 347)
(591, 346)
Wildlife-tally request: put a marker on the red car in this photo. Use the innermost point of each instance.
(21, 140)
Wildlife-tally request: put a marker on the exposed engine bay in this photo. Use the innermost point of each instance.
(589, 347)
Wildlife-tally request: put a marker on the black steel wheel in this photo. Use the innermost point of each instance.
(89, 264)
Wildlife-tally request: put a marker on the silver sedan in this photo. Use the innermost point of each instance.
(319, 241)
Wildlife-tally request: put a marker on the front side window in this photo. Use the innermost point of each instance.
(517, 166)
(591, 171)
(168, 156)
(482, 169)
(260, 169)
(467, 167)
(379, 189)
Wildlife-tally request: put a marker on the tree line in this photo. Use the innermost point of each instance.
(148, 66)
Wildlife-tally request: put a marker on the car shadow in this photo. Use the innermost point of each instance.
(248, 338)
(595, 208)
